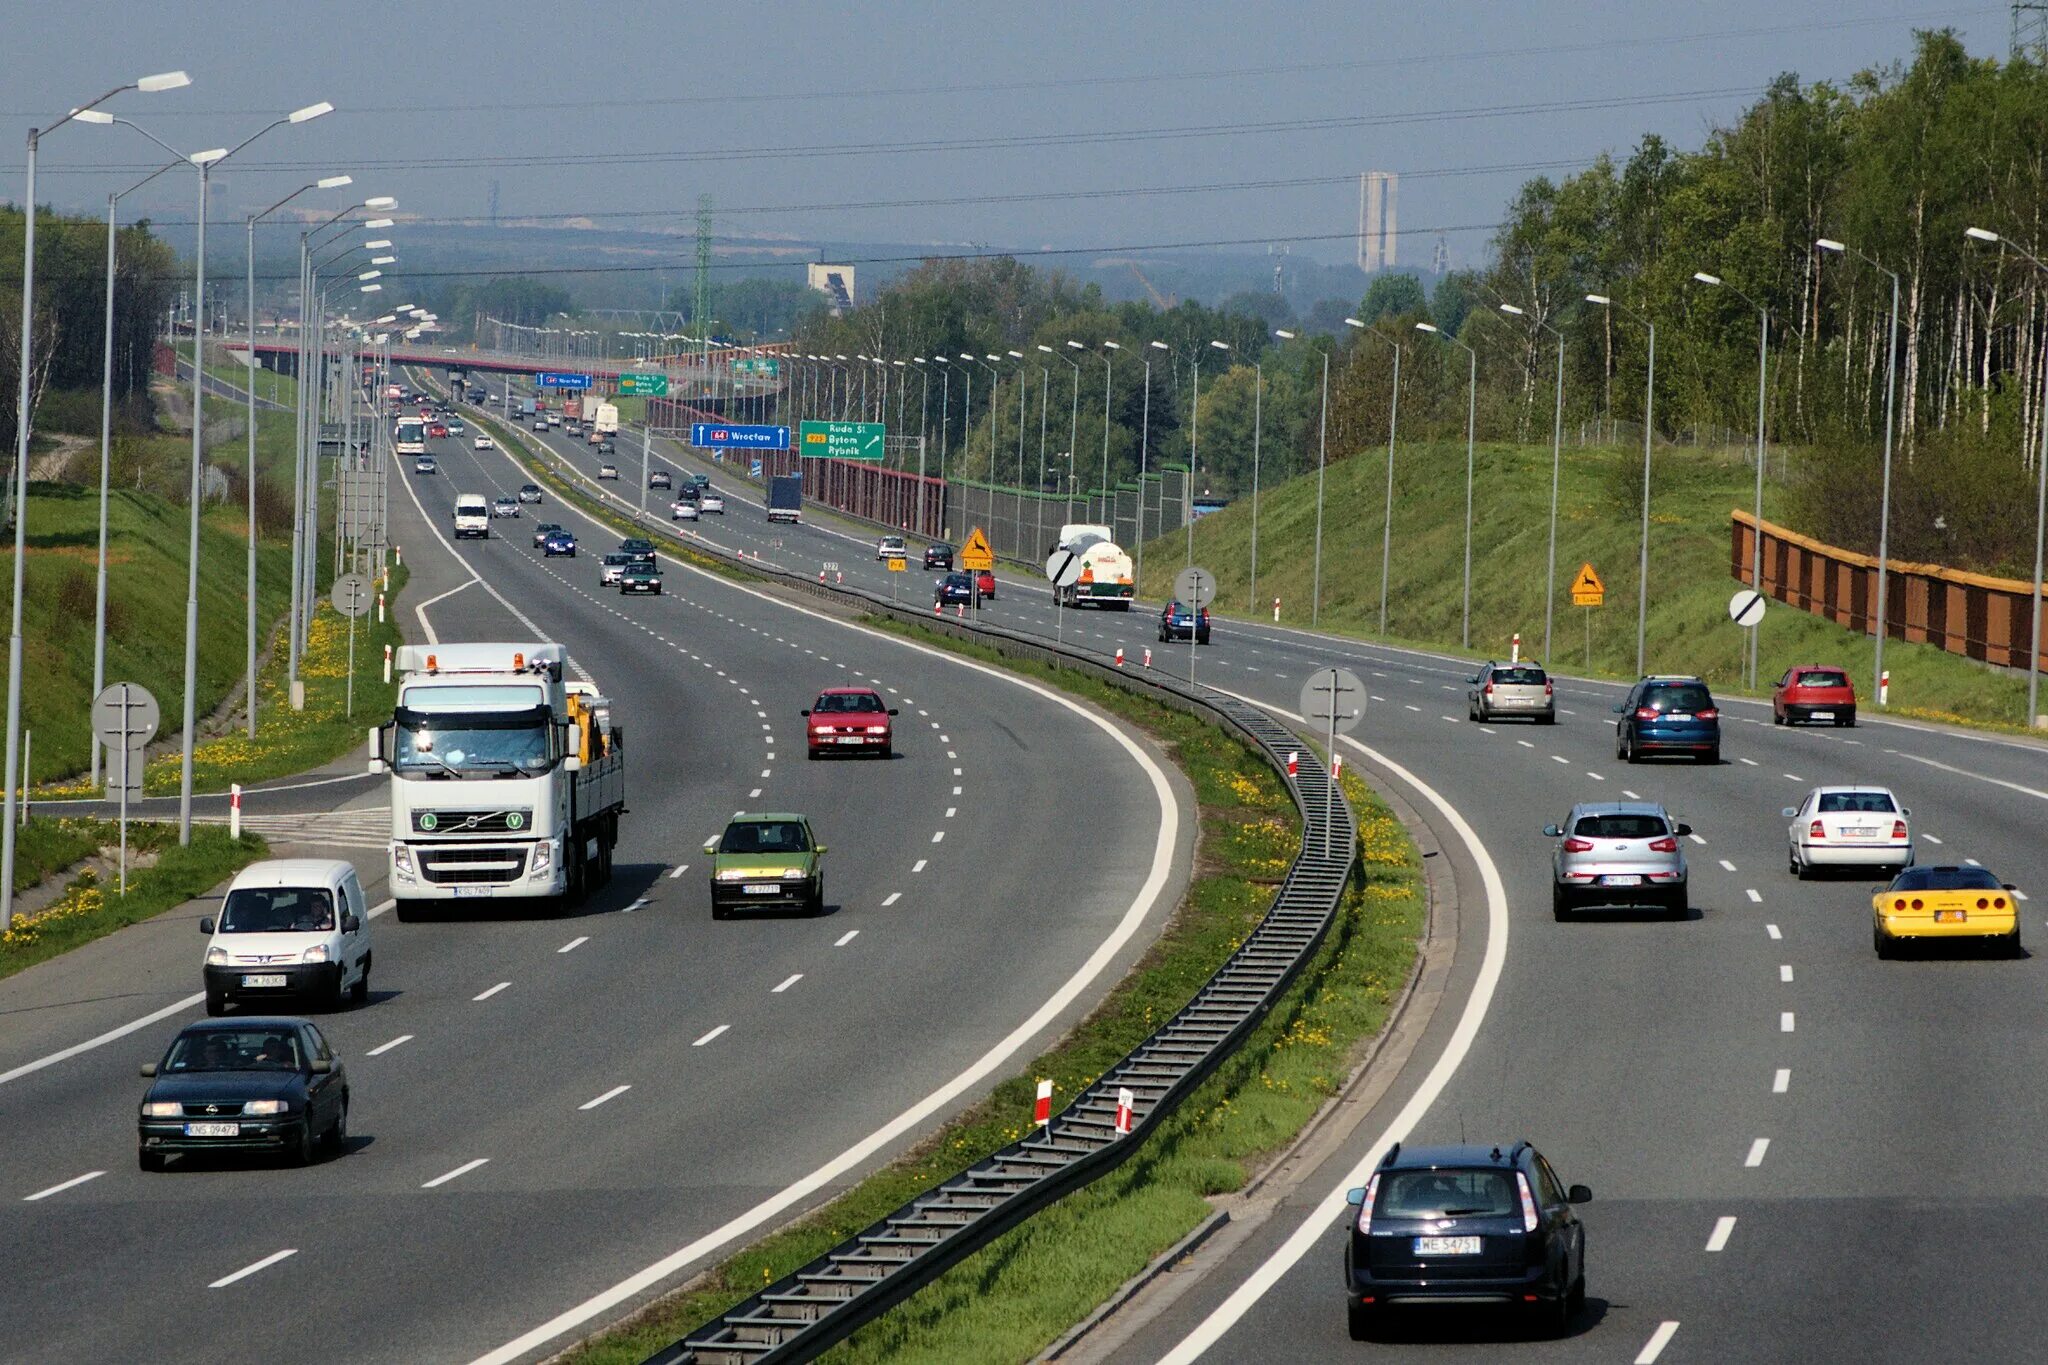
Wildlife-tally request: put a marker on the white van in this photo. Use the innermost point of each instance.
(289, 927)
(472, 516)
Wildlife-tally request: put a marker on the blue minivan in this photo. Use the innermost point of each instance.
(1667, 714)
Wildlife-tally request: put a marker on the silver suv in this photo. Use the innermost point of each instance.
(1618, 853)
(1512, 690)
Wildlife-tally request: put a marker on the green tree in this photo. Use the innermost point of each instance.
(1392, 294)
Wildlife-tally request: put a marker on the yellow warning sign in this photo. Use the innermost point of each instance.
(1587, 589)
(977, 554)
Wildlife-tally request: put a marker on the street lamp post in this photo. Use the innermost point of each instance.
(1884, 512)
(1106, 366)
(1471, 422)
(1556, 467)
(1649, 410)
(1393, 425)
(1194, 435)
(1144, 448)
(1763, 360)
(1073, 412)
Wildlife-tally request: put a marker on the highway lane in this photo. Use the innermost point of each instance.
(941, 941)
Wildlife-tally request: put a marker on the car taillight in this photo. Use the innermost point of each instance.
(1983, 904)
(1816, 830)
(1578, 845)
(1646, 713)
(1549, 689)
(1711, 713)
(1487, 690)
(1372, 1187)
(1898, 829)
(1664, 845)
(1998, 902)
(1918, 904)
(1899, 903)
(1528, 1203)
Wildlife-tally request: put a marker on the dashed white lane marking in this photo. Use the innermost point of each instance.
(849, 936)
(485, 995)
(766, 771)
(1727, 866)
(1659, 1339)
(1973, 862)
(956, 791)
(1699, 839)
(891, 899)
(1785, 1022)
(681, 868)
(1412, 708)
(1784, 971)
(1630, 795)
(1525, 744)
(938, 836)
(787, 982)
(711, 1035)
(1724, 1227)
(573, 944)
(919, 865)
(1772, 930)
(956, 772)
(1781, 1080)
(1452, 719)
(1559, 758)
(951, 811)
(1488, 730)
(1932, 840)
(1793, 776)
(62, 1186)
(464, 1169)
(610, 1094)
(382, 1048)
(1749, 761)
(631, 908)
(1756, 898)
(246, 1271)
(1756, 1152)
(1595, 776)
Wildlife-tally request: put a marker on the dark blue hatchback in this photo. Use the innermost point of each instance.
(1668, 715)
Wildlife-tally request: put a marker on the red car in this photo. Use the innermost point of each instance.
(849, 720)
(985, 583)
(1814, 692)
(437, 429)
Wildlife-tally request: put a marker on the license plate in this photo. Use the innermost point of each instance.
(213, 1130)
(769, 890)
(257, 983)
(1862, 833)
(1951, 916)
(850, 739)
(1446, 1246)
(1621, 881)
(1820, 715)
(463, 892)
(1678, 715)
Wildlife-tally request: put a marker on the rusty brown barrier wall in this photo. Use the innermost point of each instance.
(1972, 614)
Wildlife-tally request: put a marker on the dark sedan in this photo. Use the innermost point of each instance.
(640, 578)
(938, 555)
(954, 587)
(244, 1085)
(558, 542)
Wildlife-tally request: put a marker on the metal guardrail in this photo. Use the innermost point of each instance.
(821, 1303)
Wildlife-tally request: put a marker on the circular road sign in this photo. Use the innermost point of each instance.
(1746, 608)
(1063, 569)
(1333, 698)
(124, 715)
(1195, 586)
(351, 594)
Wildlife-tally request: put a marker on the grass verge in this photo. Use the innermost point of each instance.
(88, 910)
(1258, 1099)
(44, 847)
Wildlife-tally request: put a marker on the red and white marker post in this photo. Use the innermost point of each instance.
(234, 810)
(1276, 611)
(1515, 649)
(1336, 768)
(1148, 657)
(1884, 688)
(1294, 763)
(1041, 1113)
(387, 663)
(1119, 656)
(1124, 1101)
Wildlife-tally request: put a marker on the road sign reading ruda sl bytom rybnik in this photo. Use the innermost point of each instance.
(643, 386)
(977, 554)
(843, 440)
(1587, 589)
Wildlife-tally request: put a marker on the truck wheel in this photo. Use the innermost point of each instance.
(408, 911)
(216, 1003)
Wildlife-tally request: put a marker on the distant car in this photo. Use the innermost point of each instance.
(436, 430)
(559, 542)
(505, 507)
(572, 428)
(849, 720)
(637, 548)
(639, 578)
(1848, 827)
(1463, 1225)
(529, 492)
(608, 470)
(954, 587)
(1618, 853)
(938, 555)
(1814, 693)
(540, 425)
(425, 464)
(457, 427)
(985, 584)
(554, 419)
(484, 442)
(607, 448)
(1665, 714)
(1511, 690)
(700, 482)
(766, 860)
(269, 1085)
(683, 509)
(660, 478)
(1177, 621)
(711, 501)
(1945, 902)
(891, 547)
(612, 567)
(543, 531)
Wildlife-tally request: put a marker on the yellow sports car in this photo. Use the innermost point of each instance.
(1945, 902)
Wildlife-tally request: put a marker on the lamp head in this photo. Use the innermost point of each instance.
(377, 245)
(309, 113)
(1353, 322)
(1704, 278)
(1156, 345)
(1510, 308)
(1600, 299)
(1980, 234)
(382, 201)
(1280, 332)
(334, 182)
(166, 80)
(1219, 346)
(92, 116)
(208, 157)
(1114, 346)
(1047, 349)
(1428, 327)
(381, 223)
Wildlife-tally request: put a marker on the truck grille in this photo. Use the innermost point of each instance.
(471, 866)
(447, 822)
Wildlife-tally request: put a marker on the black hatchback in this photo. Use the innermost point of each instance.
(244, 1085)
(1465, 1225)
(938, 555)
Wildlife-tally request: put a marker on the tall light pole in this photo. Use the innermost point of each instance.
(1649, 412)
(1106, 365)
(1194, 436)
(1073, 411)
(1471, 422)
(1393, 426)
(1763, 361)
(924, 406)
(1556, 469)
(2040, 508)
(1144, 449)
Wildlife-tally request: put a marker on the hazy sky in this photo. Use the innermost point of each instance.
(1035, 115)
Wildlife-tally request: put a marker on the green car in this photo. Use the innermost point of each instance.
(767, 860)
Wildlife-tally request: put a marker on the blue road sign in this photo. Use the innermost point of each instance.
(547, 379)
(720, 436)
(754, 469)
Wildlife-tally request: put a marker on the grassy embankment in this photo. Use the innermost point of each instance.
(1688, 631)
(1010, 1299)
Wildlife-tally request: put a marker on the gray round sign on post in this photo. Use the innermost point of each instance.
(1746, 608)
(1063, 569)
(125, 714)
(351, 595)
(1195, 586)
(1333, 700)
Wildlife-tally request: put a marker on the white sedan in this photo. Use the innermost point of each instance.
(891, 547)
(484, 442)
(708, 501)
(682, 509)
(1848, 827)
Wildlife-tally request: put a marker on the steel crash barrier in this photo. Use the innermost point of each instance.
(799, 1316)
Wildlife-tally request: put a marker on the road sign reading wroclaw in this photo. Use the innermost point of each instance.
(845, 440)
(721, 436)
(643, 386)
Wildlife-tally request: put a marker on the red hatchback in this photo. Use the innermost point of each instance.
(849, 720)
(1820, 693)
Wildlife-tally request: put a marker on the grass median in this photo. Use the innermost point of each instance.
(1011, 1298)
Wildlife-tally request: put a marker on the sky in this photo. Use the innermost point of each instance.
(941, 126)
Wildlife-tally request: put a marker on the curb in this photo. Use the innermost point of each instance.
(1130, 1289)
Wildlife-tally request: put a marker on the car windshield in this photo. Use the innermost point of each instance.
(615, 559)
(1823, 677)
(1521, 677)
(1876, 803)
(848, 701)
(1446, 1194)
(1617, 826)
(1678, 697)
(1945, 879)
(277, 910)
(252, 1049)
(472, 744)
(765, 836)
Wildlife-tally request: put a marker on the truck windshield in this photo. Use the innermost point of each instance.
(472, 743)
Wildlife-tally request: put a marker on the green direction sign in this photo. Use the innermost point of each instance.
(843, 440)
(643, 385)
(767, 365)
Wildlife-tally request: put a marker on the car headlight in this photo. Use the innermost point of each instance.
(264, 1107)
(543, 856)
(216, 957)
(401, 858)
(822, 729)
(789, 872)
(734, 874)
(163, 1109)
(316, 953)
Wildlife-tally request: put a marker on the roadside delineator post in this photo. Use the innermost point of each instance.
(1148, 656)
(380, 608)
(1041, 1113)
(234, 810)
(1294, 763)
(1884, 688)
(1119, 656)
(1124, 1100)
(1336, 767)
(1515, 649)
(839, 577)
(1276, 610)
(387, 663)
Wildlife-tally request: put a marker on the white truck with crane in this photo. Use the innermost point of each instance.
(507, 780)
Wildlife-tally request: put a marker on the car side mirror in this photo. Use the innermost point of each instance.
(1552, 832)
(1618, 710)
(893, 711)
(2009, 886)
(821, 848)
(572, 763)
(711, 845)
(1355, 1196)
(320, 1066)
(1907, 813)
(1681, 829)
(350, 924)
(1789, 812)
(1578, 1194)
(376, 750)
(1473, 679)
(804, 712)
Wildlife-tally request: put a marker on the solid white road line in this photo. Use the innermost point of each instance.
(421, 609)
(1785, 1022)
(175, 1007)
(382, 1048)
(1781, 1080)
(891, 899)
(62, 1186)
(787, 982)
(1654, 1347)
(1723, 1228)
(711, 1035)
(1784, 971)
(1756, 1152)
(485, 995)
(849, 936)
(610, 1094)
(573, 944)
(464, 1169)
(246, 1271)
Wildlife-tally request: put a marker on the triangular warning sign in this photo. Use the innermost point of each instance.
(977, 552)
(1588, 580)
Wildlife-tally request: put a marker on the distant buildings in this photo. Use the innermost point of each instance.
(835, 282)
(1377, 234)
